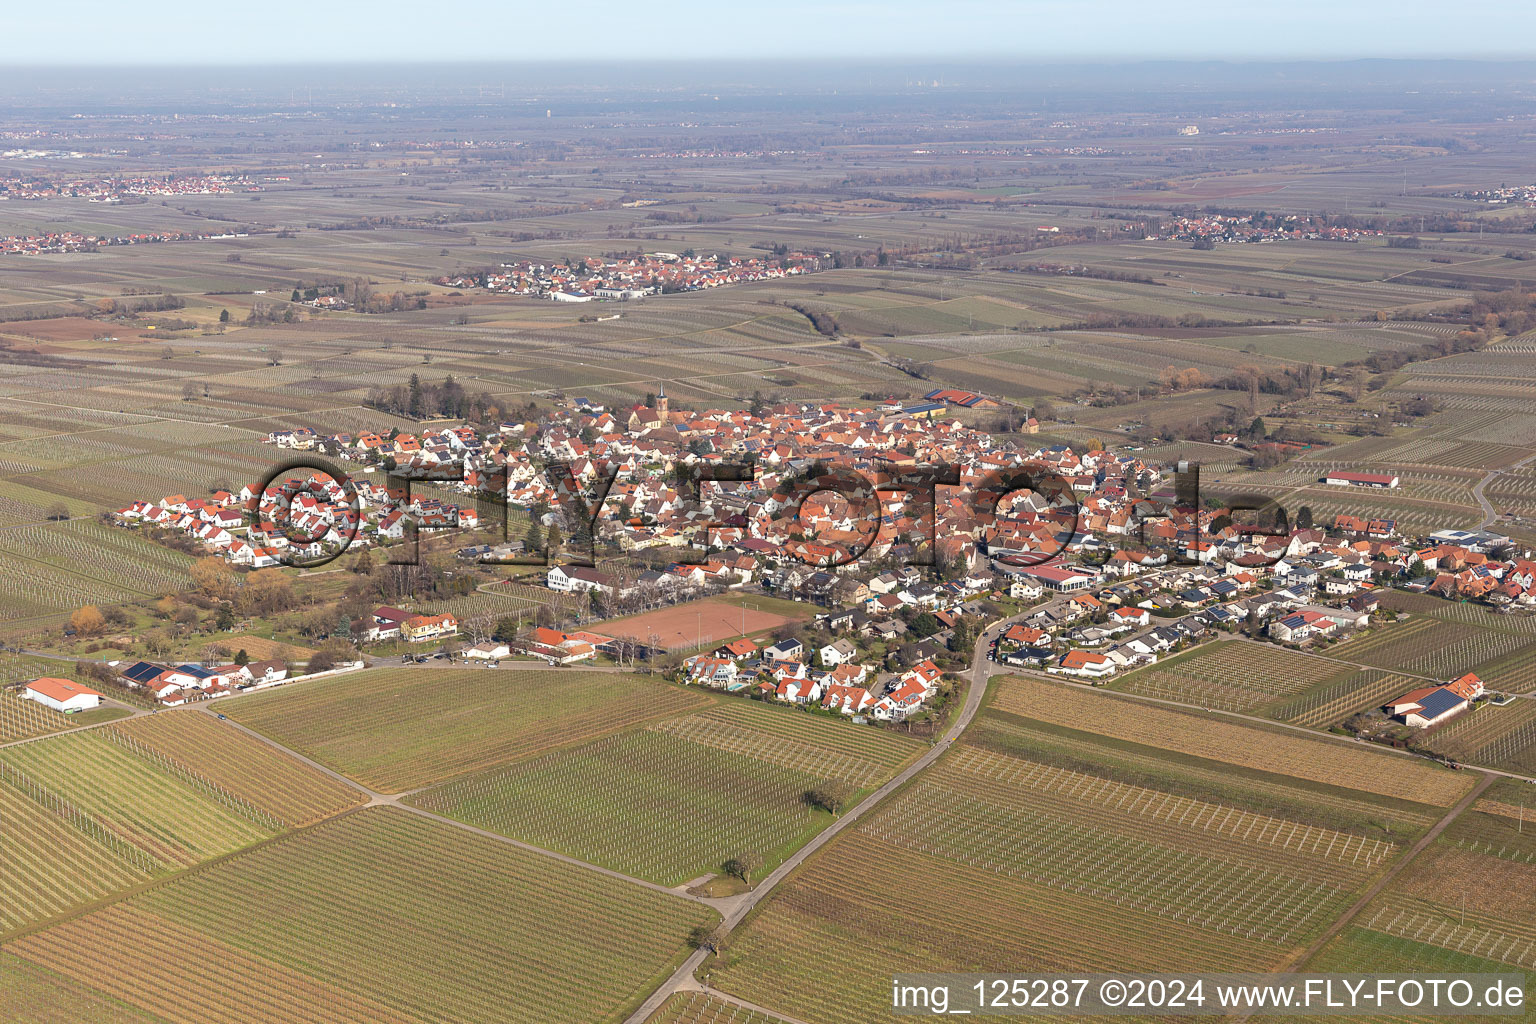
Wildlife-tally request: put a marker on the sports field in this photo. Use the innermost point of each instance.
(701, 623)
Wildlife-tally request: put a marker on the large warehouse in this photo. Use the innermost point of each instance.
(62, 695)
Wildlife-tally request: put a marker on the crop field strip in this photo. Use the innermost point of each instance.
(1439, 649)
(174, 817)
(399, 729)
(1248, 746)
(820, 747)
(933, 925)
(1142, 863)
(291, 792)
(21, 718)
(1177, 811)
(385, 918)
(1232, 676)
(646, 803)
(1360, 691)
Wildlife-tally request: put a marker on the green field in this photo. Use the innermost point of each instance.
(645, 803)
(174, 816)
(400, 729)
(291, 792)
(385, 918)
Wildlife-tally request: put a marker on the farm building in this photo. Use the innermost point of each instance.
(62, 695)
(964, 399)
(1429, 706)
(1343, 479)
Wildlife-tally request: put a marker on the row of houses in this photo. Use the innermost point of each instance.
(783, 671)
(173, 685)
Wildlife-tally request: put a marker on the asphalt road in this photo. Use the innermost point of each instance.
(735, 909)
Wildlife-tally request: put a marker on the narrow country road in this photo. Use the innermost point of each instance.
(981, 671)
(1397, 869)
(1489, 515)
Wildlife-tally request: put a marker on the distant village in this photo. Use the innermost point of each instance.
(113, 190)
(631, 277)
(1501, 196)
(1106, 573)
(75, 241)
(1214, 227)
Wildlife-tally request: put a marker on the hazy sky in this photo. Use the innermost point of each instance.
(281, 31)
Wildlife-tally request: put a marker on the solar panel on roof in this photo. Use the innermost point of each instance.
(1438, 703)
(142, 672)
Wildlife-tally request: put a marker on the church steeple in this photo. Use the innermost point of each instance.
(661, 400)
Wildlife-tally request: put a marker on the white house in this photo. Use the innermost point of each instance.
(784, 650)
(570, 579)
(489, 650)
(1084, 663)
(62, 695)
(837, 653)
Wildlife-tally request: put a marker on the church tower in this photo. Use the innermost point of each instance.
(661, 401)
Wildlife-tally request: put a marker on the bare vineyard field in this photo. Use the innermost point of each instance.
(171, 815)
(1438, 649)
(1499, 824)
(53, 860)
(703, 1008)
(1234, 676)
(1315, 760)
(292, 792)
(1332, 703)
(1497, 893)
(1288, 798)
(821, 746)
(646, 803)
(1133, 860)
(1470, 613)
(880, 930)
(21, 718)
(400, 729)
(1373, 949)
(387, 918)
(32, 994)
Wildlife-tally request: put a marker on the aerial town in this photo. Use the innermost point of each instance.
(1120, 574)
